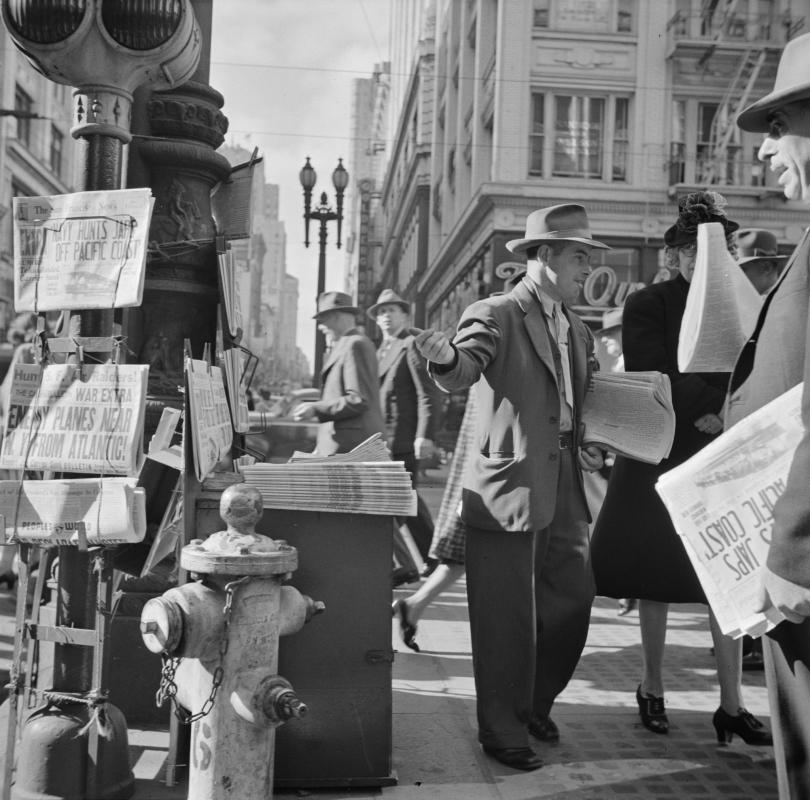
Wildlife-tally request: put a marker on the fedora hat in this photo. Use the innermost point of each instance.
(756, 244)
(388, 297)
(792, 83)
(563, 223)
(611, 319)
(334, 301)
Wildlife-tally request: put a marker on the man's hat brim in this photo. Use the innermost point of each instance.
(405, 306)
(755, 118)
(521, 245)
(347, 309)
(744, 262)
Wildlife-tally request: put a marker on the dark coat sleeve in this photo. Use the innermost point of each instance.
(428, 408)
(650, 326)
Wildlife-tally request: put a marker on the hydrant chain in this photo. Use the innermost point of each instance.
(168, 688)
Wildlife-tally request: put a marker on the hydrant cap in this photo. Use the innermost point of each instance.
(241, 507)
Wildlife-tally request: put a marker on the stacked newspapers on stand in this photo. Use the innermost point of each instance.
(721, 503)
(631, 414)
(338, 483)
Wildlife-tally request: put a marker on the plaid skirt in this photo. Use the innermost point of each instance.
(449, 534)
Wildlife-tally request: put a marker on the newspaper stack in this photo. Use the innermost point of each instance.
(631, 414)
(354, 487)
(721, 502)
(375, 448)
(721, 308)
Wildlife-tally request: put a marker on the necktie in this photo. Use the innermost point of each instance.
(561, 331)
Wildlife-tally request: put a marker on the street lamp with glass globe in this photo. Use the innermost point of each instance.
(323, 213)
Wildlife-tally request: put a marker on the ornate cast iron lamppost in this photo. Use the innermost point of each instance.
(105, 49)
(323, 214)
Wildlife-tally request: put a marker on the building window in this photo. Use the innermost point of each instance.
(590, 137)
(537, 139)
(597, 16)
(24, 105)
(578, 130)
(57, 143)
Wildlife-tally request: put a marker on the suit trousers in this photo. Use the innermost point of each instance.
(787, 673)
(529, 595)
(420, 526)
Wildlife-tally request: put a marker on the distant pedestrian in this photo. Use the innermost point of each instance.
(409, 402)
(349, 408)
(758, 255)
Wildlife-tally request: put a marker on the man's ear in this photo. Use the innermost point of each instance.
(544, 252)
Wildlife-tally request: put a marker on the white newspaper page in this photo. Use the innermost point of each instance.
(78, 511)
(721, 503)
(630, 414)
(81, 250)
(721, 308)
(71, 418)
(211, 429)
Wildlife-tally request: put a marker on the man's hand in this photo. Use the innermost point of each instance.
(591, 458)
(423, 449)
(792, 600)
(435, 346)
(709, 423)
(304, 411)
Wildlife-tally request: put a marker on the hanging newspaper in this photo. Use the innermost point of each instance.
(81, 250)
(721, 503)
(78, 511)
(210, 420)
(76, 418)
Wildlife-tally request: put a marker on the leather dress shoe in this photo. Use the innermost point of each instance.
(544, 729)
(516, 757)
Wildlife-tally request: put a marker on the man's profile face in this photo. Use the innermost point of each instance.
(391, 318)
(571, 265)
(786, 148)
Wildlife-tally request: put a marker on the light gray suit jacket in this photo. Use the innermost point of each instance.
(782, 360)
(504, 349)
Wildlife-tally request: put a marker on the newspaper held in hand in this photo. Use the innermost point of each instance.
(76, 418)
(81, 250)
(721, 503)
(721, 308)
(630, 414)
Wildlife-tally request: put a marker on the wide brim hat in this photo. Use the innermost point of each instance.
(388, 297)
(611, 319)
(755, 245)
(335, 301)
(792, 83)
(696, 209)
(564, 223)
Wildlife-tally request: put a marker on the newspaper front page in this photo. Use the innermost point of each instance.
(82, 250)
(211, 429)
(721, 308)
(77, 511)
(721, 503)
(76, 418)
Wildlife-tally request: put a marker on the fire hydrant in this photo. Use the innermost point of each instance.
(219, 640)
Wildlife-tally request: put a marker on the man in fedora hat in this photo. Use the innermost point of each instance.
(349, 408)
(780, 360)
(529, 580)
(409, 401)
(758, 255)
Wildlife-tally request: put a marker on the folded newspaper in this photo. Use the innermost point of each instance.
(721, 308)
(631, 414)
(721, 503)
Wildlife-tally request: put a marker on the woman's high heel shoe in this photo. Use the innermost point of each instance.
(745, 725)
(406, 630)
(653, 712)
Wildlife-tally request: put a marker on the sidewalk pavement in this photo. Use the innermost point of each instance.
(604, 752)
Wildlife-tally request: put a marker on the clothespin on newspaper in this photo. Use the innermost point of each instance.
(207, 355)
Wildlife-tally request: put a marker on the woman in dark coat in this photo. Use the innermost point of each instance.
(635, 550)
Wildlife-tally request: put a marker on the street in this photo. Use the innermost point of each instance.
(604, 751)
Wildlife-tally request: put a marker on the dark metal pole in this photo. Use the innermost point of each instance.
(320, 339)
(77, 585)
